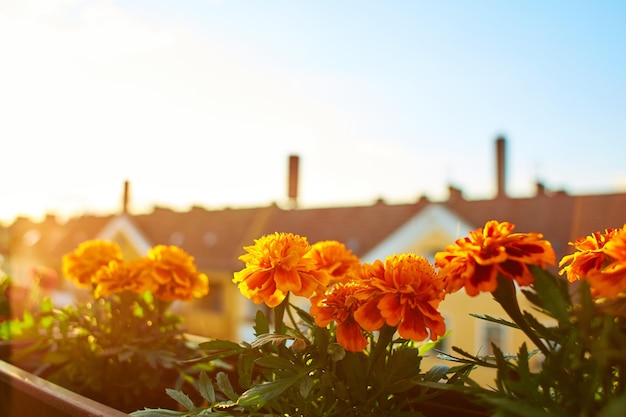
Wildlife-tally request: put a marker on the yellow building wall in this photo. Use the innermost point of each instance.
(428, 245)
(468, 333)
(129, 251)
(220, 313)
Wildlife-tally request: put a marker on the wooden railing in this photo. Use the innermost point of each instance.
(23, 394)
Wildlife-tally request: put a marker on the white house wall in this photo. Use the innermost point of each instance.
(434, 218)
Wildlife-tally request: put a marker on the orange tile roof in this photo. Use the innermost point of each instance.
(560, 217)
(216, 237)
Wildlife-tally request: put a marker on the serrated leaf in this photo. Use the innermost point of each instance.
(435, 373)
(205, 386)
(553, 293)
(46, 305)
(224, 385)
(353, 371)
(274, 362)
(181, 398)
(261, 324)
(306, 317)
(428, 346)
(273, 338)
(306, 386)
(245, 369)
(496, 320)
(27, 319)
(403, 363)
(221, 345)
(259, 395)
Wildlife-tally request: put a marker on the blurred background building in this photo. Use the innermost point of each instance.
(31, 251)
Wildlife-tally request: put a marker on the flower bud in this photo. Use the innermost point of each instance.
(336, 352)
(298, 345)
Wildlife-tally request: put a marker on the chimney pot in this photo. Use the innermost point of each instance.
(541, 189)
(292, 186)
(454, 193)
(501, 167)
(126, 197)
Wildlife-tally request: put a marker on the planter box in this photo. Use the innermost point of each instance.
(23, 394)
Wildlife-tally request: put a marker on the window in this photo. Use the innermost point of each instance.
(214, 301)
(491, 333)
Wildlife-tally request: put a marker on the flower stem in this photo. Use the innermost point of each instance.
(296, 329)
(279, 314)
(506, 296)
(385, 337)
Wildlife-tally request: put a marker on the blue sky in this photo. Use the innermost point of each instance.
(201, 101)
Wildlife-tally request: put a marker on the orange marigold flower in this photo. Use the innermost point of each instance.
(277, 264)
(405, 291)
(120, 276)
(474, 262)
(616, 247)
(333, 256)
(174, 275)
(589, 255)
(339, 306)
(82, 265)
(607, 276)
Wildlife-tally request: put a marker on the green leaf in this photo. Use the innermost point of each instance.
(435, 373)
(245, 369)
(402, 367)
(306, 386)
(158, 412)
(273, 338)
(206, 388)
(428, 346)
(181, 398)
(224, 385)
(352, 370)
(46, 305)
(615, 407)
(221, 345)
(275, 362)
(553, 293)
(335, 352)
(495, 320)
(259, 395)
(261, 324)
(404, 363)
(306, 317)
(28, 320)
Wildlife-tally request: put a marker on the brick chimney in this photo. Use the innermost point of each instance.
(292, 185)
(541, 189)
(454, 193)
(126, 197)
(501, 167)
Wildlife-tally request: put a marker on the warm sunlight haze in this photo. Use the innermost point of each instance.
(202, 102)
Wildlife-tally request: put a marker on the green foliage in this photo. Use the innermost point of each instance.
(303, 371)
(5, 315)
(122, 351)
(582, 356)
